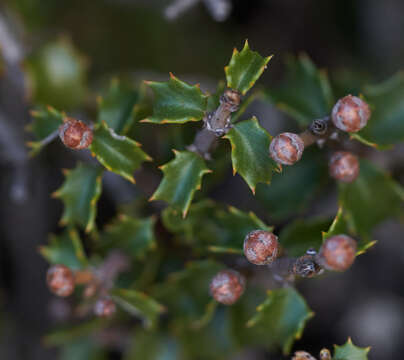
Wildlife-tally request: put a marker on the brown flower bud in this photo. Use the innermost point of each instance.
(306, 266)
(286, 148)
(344, 166)
(337, 253)
(325, 354)
(350, 114)
(231, 100)
(261, 247)
(227, 286)
(75, 134)
(104, 307)
(303, 355)
(60, 280)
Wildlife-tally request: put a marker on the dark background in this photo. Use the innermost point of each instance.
(349, 38)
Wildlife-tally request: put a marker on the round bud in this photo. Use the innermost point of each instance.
(75, 134)
(60, 280)
(261, 247)
(306, 266)
(337, 253)
(286, 148)
(325, 354)
(231, 99)
(302, 355)
(344, 166)
(104, 307)
(227, 286)
(350, 114)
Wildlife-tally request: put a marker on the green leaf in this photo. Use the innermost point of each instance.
(305, 94)
(349, 351)
(79, 193)
(134, 236)
(281, 318)
(300, 235)
(249, 152)
(186, 293)
(57, 75)
(66, 249)
(117, 153)
(138, 304)
(117, 107)
(214, 99)
(386, 124)
(176, 102)
(245, 68)
(182, 177)
(291, 191)
(82, 349)
(370, 199)
(46, 120)
(213, 226)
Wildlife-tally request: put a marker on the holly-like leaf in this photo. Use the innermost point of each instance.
(117, 153)
(117, 107)
(299, 236)
(57, 75)
(386, 124)
(349, 351)
(176, 102)
(249, 152)
(46, 120)
(138, 304)
(291, 191)
(370, 199)
(79, 193)
(134, 236)
(305, 94)
(280, 319)
(213, 227)
(186, 293)
(66, 249)
(245, 68)
(182, 177)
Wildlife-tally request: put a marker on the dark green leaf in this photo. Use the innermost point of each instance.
(349, 351)
(57, 75)
(386, 124)
(117, 153)
(281, 318)
(182, 177)
(66, 249)
(134, 236)
(299, 236)
(176, 102)
(249, 152)
(245, 68)
(117, 107)
(214, 227)
(214, 99)
(138, 304)
(305, 94)
(79, 193)
(369, 200)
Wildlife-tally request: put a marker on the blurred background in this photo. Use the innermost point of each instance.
(63, 53)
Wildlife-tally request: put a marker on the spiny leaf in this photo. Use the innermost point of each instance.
(370, 199)
(213, 227)
(134, 236)
(349, 351)
(66, 249)
(176, 102)
(386, 124)
(117, 107)
(46, 120)
(305, 94)
(138, 304)
(117, 153)
(280, 318)
(57, 75)
(245, 68)
(182, 177)
(79, 193)
(249, 153)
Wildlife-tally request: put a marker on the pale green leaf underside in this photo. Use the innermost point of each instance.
(349, 351)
